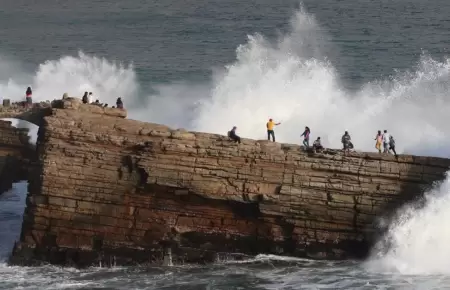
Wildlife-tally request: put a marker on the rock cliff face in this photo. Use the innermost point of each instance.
(13, 155)
(115, 191)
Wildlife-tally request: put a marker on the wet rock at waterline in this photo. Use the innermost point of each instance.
(115, 191)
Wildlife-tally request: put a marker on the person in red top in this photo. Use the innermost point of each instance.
(29, 100)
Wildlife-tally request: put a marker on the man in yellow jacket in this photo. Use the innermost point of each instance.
(270, 131)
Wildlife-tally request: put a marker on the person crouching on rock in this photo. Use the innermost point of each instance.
(119, 103)
(233, 136)
(346, 142)
(29, 100)
(85, 98)
(317, 145)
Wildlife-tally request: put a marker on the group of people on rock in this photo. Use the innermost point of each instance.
(87, 99)
(385, 139)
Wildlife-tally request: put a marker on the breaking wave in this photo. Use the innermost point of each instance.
(417, 240)
(289, 79)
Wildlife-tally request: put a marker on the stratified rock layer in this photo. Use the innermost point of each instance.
(13, 144)
(116, 191)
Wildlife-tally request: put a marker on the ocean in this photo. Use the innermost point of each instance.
(332, 65)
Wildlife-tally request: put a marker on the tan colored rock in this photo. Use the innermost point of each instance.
(108, 186)
(14, 149)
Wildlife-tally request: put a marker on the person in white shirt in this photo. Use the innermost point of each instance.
(386, 141)
(90, 98)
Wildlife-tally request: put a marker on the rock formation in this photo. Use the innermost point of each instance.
(13, 162)
(112, 191)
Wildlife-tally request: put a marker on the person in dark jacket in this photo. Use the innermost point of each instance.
(119, 103)
(346, 142)
(392, 145)
(85, 98)
(233, 136)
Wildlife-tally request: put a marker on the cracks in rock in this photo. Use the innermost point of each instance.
(355, 214)
(127, 162)
(143, 176)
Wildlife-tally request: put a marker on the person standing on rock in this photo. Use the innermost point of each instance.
(346, 142)
(90, 98)
(379, 140)
(386, 141)
(270, 125)
(306, 137)
(233, 136)
(119, 103)
(29, 100)
(392, 145)
(85, 98)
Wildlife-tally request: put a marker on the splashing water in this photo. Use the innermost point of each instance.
(417, 241)
(73, 75)
(293, 81)
(282, 81)
(289, 80)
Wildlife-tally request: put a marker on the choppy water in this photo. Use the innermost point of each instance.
(208, 65)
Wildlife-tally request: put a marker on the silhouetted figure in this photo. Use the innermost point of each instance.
(97, 102)
(85, 98)
(233, 136)
(119, 103)
(28, 98)
(90, 98)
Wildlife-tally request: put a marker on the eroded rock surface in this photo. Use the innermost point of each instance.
(13, 155)
(115, 191)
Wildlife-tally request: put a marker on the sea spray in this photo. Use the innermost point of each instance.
(417, 239)
(75, 75)
(290, 79)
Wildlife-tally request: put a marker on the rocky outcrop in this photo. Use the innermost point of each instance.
(13, 155)
(34, 115)
(115, 191)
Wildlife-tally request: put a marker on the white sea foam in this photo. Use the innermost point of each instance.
(292, 81)
(289, 80)
(417, 241)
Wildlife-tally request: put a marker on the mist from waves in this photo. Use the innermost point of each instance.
(289, 79)
(417, 239)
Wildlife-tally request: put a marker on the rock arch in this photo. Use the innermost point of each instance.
(33, 115)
